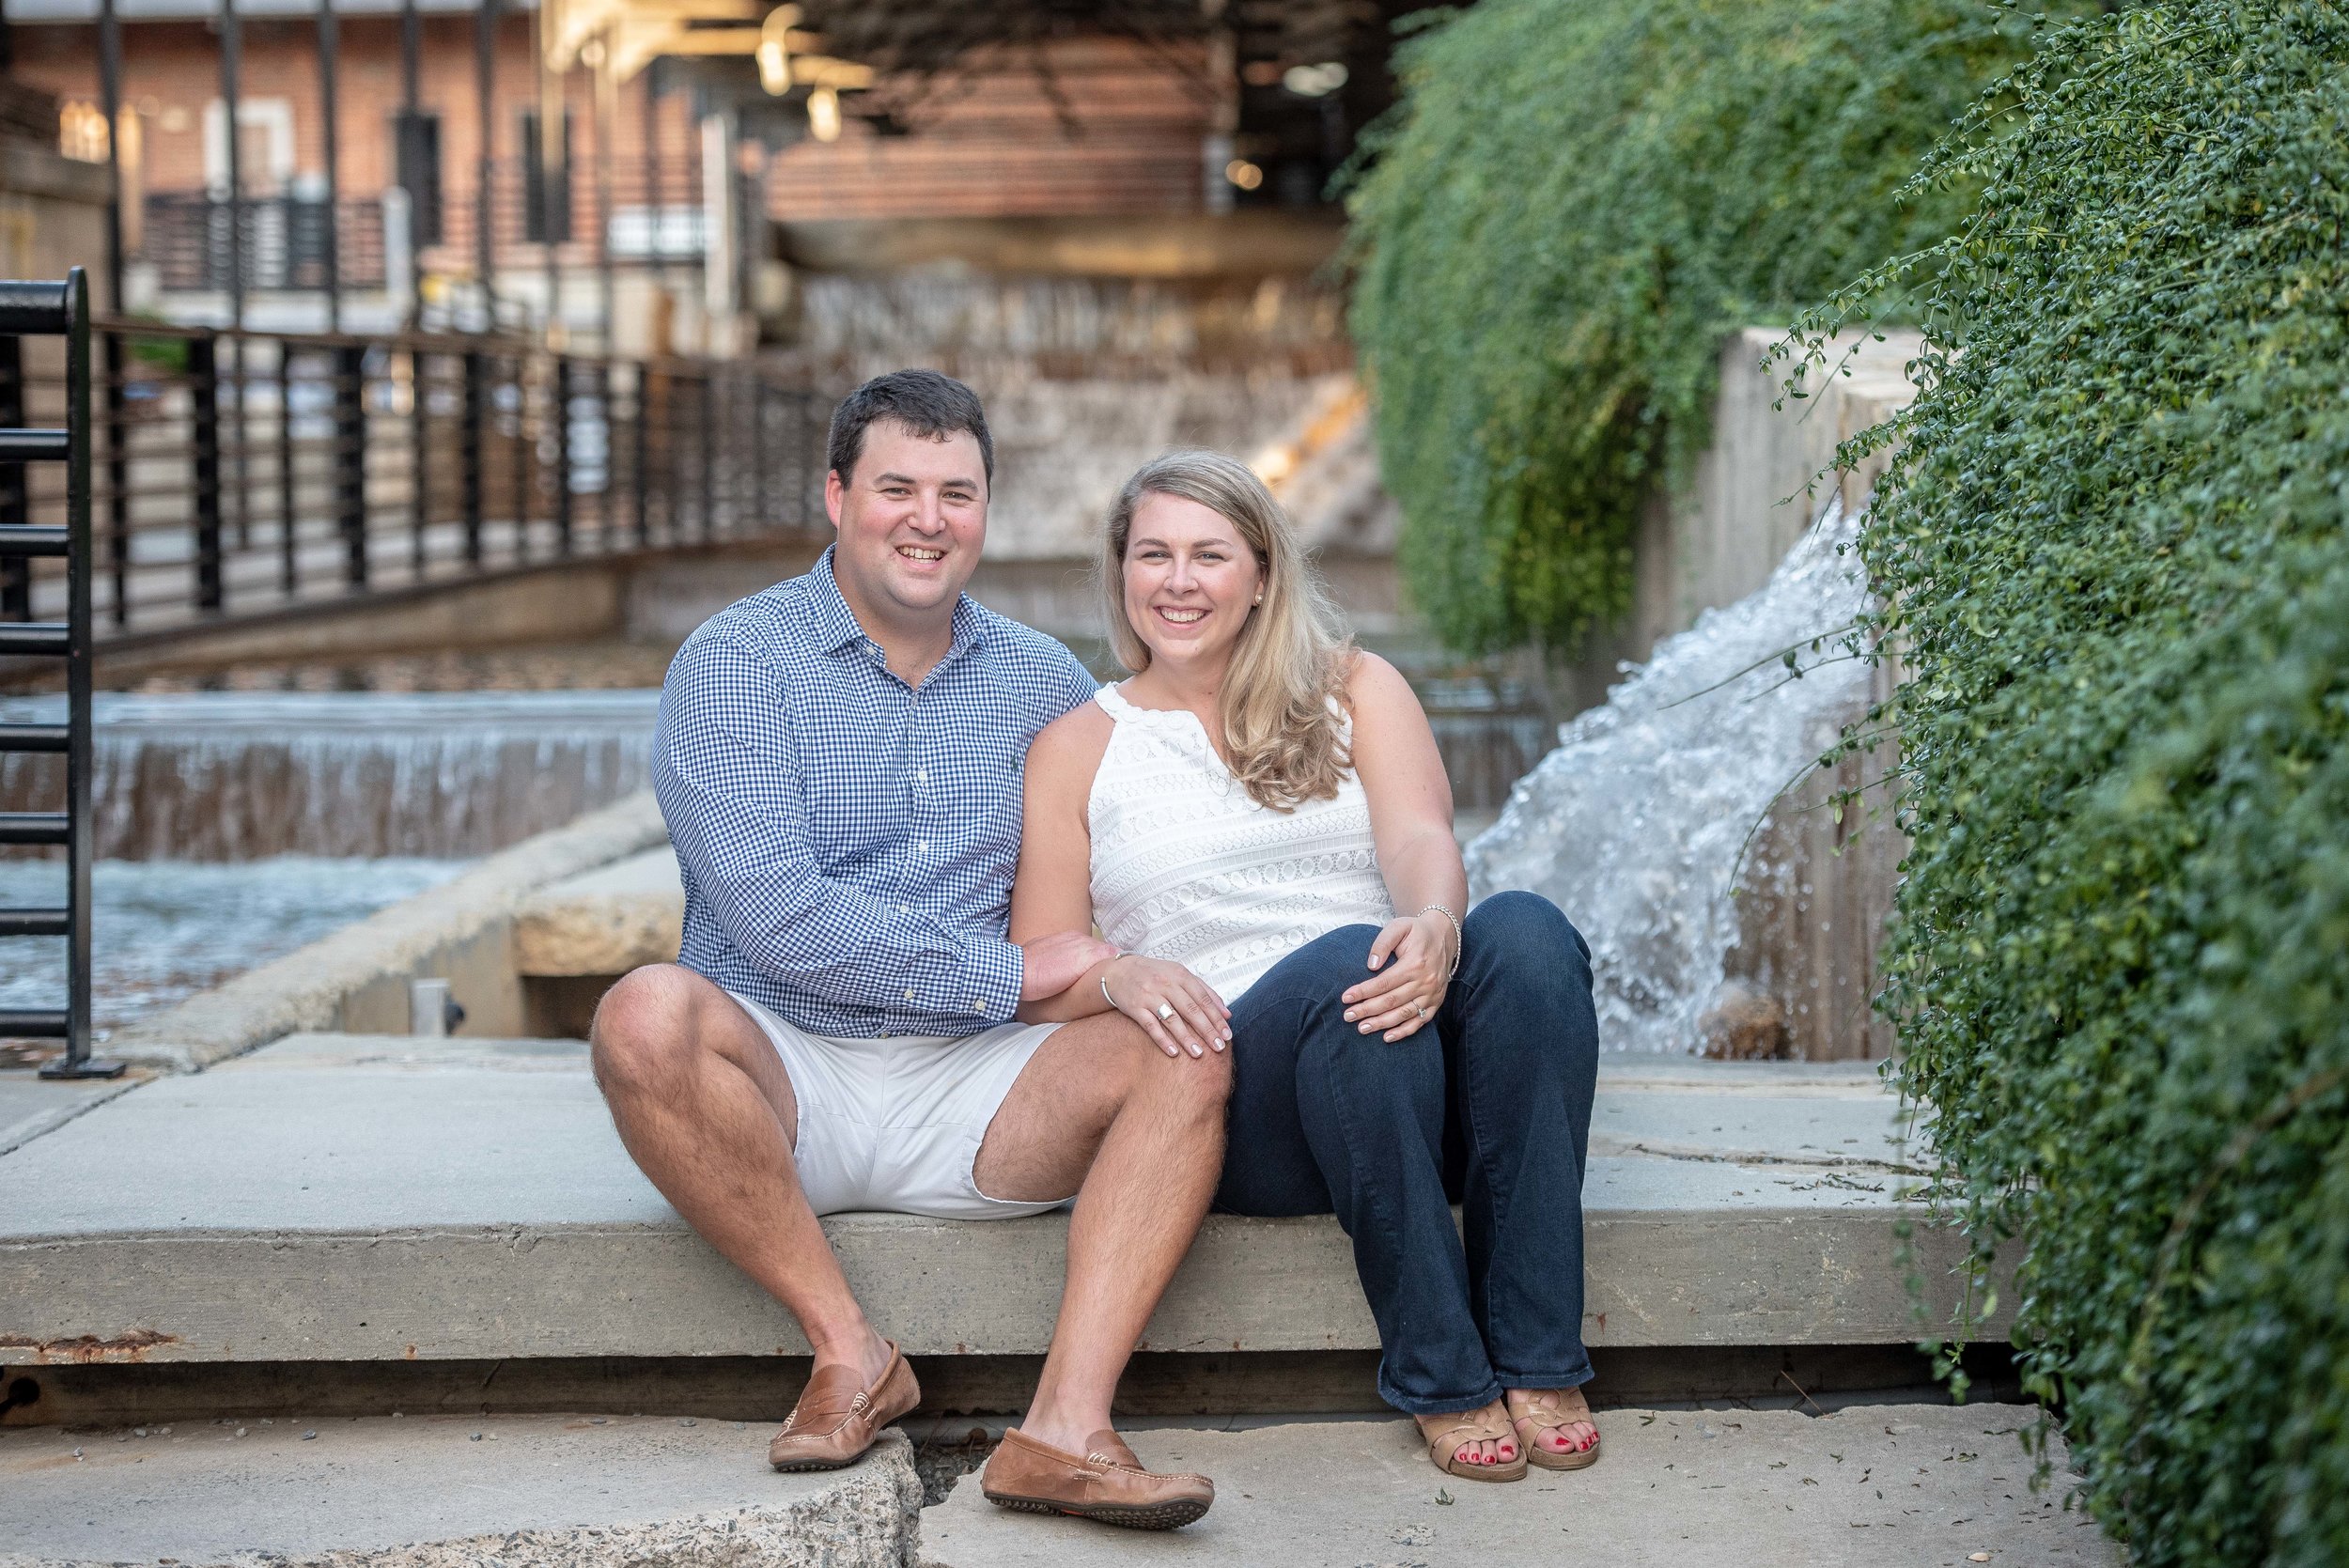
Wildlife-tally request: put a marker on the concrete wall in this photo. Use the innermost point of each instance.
(53, 217)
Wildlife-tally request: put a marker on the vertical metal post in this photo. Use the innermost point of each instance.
(410, 89)
(641, 478)
(484, 37)
(118, 465)
(759, 449)
(231, 67)
(77, 677)
(607, 118)
(16, 572)
(709, 444)
(79, 565)
(562, 417)
(419, 459)
(289, 567)
(351, 460)
(203, 431)
(110, 104)
(469, 452)
(330, 49)
(519, 458)
(651, 78)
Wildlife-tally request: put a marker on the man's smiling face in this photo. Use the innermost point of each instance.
(912, 517)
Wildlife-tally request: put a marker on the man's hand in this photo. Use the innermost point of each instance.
(1056, 962)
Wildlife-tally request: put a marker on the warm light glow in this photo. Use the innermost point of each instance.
(823, 114)
(1242, 173)
(82, 131)
(1314, 81)
(774, 50)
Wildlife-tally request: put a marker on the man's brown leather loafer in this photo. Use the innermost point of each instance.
(1107, 1484)
(836, 1419)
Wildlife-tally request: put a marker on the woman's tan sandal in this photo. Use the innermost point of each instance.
(1106, 1484)
(1543, 1413)
(836, 1419)
(1474, 1426)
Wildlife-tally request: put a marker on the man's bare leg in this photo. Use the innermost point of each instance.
(1138, 1136)
(707, 1111)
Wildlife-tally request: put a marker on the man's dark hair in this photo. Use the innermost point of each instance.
(927, 403)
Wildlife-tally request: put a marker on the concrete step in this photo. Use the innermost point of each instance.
(607, 920)
(369, 1198)
(446, 1491)
(1867, 1486)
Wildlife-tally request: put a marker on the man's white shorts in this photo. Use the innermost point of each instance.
(895, 1125)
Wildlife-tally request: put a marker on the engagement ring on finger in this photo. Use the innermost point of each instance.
(1166, 1009)
(1419, 1010)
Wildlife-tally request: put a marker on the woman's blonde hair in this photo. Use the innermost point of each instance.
(1288, 743)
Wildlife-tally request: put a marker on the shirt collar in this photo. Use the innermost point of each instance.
(837, 625)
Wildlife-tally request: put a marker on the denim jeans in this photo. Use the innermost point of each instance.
(1487, 1106)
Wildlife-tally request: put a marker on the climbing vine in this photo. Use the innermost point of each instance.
(2113, 554)
(1571, 205)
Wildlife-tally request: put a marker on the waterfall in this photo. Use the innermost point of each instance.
(1635, 824)
(240, 776)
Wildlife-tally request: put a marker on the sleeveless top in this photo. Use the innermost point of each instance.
(1188, 867)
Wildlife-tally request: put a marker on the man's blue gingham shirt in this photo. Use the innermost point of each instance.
(848, 842)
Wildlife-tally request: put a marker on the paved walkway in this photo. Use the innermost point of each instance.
(1870, 1487)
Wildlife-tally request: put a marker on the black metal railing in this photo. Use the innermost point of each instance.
(55, 309)
(243, 473)
(285, 241)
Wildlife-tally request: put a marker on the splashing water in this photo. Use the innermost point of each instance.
(1634, 825)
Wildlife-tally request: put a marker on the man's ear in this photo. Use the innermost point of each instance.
(835, 490)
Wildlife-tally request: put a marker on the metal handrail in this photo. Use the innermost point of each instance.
(252, 472)
(60, 308)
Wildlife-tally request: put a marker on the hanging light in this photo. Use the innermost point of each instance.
(774, 50)
(823, 114)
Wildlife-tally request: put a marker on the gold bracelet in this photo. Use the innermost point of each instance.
(1459, 938)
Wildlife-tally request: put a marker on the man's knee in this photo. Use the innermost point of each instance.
(644, 1031)
(1187, 1084)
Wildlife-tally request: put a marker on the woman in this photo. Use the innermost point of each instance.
(1260, 820)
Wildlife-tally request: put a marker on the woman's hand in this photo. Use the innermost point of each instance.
(1414, 957)
(1178, 1009)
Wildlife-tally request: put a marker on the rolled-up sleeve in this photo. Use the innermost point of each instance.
(727, 771)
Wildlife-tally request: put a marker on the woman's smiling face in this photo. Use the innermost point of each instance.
(1189, 579)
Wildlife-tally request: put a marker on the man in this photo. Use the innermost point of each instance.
(839, 760)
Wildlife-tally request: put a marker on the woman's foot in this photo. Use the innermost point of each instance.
(1555, 1423)
(1494, 1452)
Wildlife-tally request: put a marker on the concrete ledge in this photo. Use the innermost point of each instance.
(357, 978)
(346, 1198)
(604, 922)
(448, 1492)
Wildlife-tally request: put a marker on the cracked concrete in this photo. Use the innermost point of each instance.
(445, 1491)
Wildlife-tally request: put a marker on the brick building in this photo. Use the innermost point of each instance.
(675, 195)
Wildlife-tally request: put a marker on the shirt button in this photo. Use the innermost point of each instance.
(921, 848)
(921, 775)
(908, 995)
(905, 908)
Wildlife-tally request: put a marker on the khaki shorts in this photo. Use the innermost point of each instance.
(895, 1125)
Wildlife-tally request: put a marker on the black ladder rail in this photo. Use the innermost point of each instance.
(60, 309)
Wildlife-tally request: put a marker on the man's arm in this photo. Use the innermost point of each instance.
(726, 768)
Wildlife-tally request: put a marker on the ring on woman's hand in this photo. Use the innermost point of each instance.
(1166, 1009)
(1420, 1010)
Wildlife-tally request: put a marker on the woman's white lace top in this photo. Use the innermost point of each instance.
(1188, 867)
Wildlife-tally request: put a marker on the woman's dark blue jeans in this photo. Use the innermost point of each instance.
(1488, 1107)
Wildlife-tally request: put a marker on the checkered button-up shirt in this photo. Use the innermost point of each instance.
(848, 842)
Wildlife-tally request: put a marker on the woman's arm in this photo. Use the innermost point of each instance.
(1411, 821)
(1053, 894)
